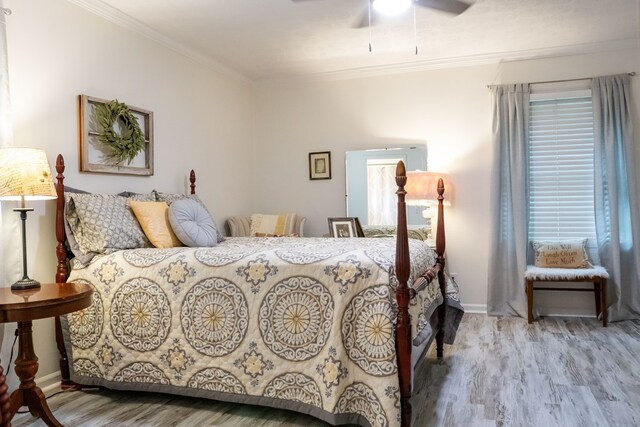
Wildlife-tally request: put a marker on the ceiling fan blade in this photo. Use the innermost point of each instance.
(455, 7)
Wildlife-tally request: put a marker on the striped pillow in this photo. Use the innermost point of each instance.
(276, 225)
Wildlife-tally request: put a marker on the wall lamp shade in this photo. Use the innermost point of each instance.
(422, 188)
(25, 175)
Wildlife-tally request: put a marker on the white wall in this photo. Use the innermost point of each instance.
(449, 110)
(202, 119)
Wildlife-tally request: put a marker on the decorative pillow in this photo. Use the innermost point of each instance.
(192, 223)
(72, 244)
(277, 225)
(276, 235)
(138, 196)
(172, 197)
(419, 232)
(102, 223)
(154, 220)
(566, 254)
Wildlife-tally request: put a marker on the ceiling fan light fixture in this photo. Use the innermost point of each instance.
(391, 7)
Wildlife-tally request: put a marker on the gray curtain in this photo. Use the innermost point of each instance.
(617, 210)
(506, 295)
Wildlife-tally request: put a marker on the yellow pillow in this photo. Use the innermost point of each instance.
(154, 220)
(568, 254)
(275, 225)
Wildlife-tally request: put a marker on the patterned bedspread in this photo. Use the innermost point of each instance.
(299, 323)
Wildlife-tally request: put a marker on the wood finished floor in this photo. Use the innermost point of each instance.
(501, 372)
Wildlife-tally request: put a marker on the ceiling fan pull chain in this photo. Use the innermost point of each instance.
(369, 2)
(415, 27)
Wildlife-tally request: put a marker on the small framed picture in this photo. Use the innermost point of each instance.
(345, 227)
(320, 165)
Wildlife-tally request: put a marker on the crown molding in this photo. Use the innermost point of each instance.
(118, 17)
(462, 61)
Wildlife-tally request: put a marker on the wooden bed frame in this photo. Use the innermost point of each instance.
(404, 292)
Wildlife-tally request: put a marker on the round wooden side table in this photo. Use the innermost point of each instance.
(49, 300)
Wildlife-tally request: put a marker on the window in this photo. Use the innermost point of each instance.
(561, 167)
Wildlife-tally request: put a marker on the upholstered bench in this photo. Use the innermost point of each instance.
(596, 275)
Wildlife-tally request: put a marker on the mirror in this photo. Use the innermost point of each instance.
(371, 189)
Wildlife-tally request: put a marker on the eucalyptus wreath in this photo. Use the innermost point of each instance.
(124, 143)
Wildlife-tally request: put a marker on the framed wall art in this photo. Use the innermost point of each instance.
(345, 227)
(320, 165)
(114, 137)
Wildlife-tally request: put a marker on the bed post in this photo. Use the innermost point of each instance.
(440, 247)
(192, 181)
(62, 270)
(61, 249)
(403, 323)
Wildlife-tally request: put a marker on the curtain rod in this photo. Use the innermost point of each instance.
(633, 73)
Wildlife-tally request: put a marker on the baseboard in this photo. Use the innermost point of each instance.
(49, 383)
(475, 308)
(543, 311)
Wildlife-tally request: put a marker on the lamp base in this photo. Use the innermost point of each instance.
(25, 283)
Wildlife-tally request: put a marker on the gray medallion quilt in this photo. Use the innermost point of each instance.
(305, 324)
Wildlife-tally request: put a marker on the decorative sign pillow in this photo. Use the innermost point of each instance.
(154, 220)
(276, 225)
(567, 254)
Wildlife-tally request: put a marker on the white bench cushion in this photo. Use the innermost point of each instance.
(541, 273)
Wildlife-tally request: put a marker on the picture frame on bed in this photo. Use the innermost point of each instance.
(93, 158)
(345, 227)
(320, 165)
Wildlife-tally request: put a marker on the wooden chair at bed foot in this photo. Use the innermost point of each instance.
(596, 275)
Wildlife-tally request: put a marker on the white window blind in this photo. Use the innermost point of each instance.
(561, 168)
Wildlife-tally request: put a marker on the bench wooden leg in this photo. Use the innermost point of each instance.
(603, 298)
(530, 301)
(597, 292)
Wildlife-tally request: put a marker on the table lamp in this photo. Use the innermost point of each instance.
(25, 175)
(422, 189)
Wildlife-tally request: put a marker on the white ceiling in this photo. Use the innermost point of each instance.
(264, 39)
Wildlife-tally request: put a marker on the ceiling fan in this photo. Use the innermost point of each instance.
(396, 7)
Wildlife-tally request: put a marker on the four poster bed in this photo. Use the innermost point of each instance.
(316, 325)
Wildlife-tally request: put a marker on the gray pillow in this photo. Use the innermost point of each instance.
(169, 198)
(102, 224)
(192, 223)
(70, 215)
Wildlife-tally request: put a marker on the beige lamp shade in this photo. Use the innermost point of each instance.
(25, 173)
(422, 188)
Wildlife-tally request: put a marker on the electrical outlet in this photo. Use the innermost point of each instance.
(454, 277)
